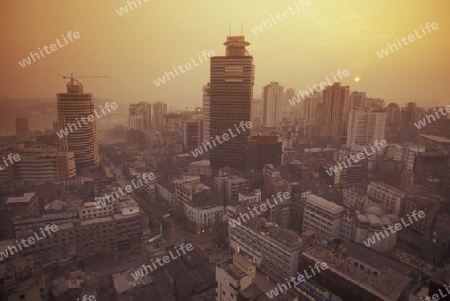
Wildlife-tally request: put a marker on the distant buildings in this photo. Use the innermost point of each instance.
(140, 116)
(22, 130)
(159, 112)
(232, 80)
(83, 141)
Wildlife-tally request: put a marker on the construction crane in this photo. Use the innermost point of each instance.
(78, 87)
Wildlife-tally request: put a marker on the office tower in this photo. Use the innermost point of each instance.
(273, 95)
(206, 112)
(190, 134)
(365, 126)
(357, 100)
(335, 111)
(22, 130)
(72, 107)
(232, 80)
(140, 116)
(287, 108)
(159, 112)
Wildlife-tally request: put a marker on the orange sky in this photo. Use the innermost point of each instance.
(138, 47)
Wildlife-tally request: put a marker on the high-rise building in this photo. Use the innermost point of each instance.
(287, 107)
(273, 95)
(357, 100)
(140, 116)
(365, 126)
(83, 141)
(159, 112)
(22, 130)
(232, 80)
(206, 112)
(335, 111)
(190, 134)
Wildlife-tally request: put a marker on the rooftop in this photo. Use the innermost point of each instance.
(26, 198)
(322, 203)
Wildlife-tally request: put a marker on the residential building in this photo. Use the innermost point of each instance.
(335, 111)
(273, 96)
(365, 126)
(323, 216)
(274, 250)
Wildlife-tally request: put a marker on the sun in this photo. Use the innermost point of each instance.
(356, 79)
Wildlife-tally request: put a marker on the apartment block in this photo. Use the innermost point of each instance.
(274, 250)
(323, 216)
(391, 199)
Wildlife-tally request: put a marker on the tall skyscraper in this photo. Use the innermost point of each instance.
(140, 116)
(232, 80)
(287, 107)
(206, 112)
(365, 126)
(273, 96)
(22, 130)
(83, 141)
(335, 111)
(159, 112)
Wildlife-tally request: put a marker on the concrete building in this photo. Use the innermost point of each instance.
(335, 111)
(273, 249)
(22, 129)
(370, 226)
(140, 116)
(83, 141)
(41, 165)
(390, 199)
(365, 126)
(200, 168)
(357, 273)
(107, 234)
(206, 112)
(323, 216)
(205, 210)
(232, 80)
(185, 193)
(272, 97)
(247, 198)
(159, 114)
(233, 276)
(165, 190)
(436, 142)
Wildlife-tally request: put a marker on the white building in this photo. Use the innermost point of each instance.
(371, 226)
(388, 197)
(273, 95)
(365, 126)
(233, 276)
(274, 250)
(252, 197)
(323, 216)
(203, 215)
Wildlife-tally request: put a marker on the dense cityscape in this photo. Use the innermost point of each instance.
(250, 193)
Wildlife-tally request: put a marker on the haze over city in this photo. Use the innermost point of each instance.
(138, 47)
(291, 150)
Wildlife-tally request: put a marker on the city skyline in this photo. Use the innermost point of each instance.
(345, 37)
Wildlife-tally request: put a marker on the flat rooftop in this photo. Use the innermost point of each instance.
(324, 204)
(26, 198)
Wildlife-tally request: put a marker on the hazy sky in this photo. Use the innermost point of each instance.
(138, 47)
